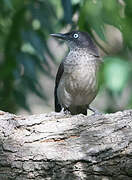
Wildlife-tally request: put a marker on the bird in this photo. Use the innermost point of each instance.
(76, 83)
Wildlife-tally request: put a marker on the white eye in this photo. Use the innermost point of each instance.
(75, 35)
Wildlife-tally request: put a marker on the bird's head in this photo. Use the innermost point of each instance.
(78, 39)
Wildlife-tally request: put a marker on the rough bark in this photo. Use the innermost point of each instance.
(50, 147)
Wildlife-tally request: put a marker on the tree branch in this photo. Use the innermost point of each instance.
(53, 146)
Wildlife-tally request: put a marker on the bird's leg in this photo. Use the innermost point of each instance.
(62, 112)
(66, 111)
(95, 111)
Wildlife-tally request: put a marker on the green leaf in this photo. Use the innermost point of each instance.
(35, 87)
(28, 65)
(43, 12)
(116, 73)
(111, 13)
(91, 18)
(21, 100)
(74, 2)
(128, 8)
(8, 4)
(37, 43)
(67, 7)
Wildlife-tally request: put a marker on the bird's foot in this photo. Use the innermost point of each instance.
(56, 113)
(95, 111)
(63, 112)
(66, 111)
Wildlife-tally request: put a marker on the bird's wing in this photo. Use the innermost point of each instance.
(58, 77)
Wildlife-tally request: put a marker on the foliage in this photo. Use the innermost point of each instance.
(24, 33)
(25, 27)
(95, 16)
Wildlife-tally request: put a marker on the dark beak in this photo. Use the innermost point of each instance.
(59, 35)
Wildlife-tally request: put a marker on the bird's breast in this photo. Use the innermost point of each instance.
(80, 78)
(78, 84)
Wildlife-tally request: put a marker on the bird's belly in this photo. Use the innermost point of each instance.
(77, 88)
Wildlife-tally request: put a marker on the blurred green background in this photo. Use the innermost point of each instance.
(29, 57)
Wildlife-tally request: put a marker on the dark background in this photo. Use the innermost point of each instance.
(29, 57)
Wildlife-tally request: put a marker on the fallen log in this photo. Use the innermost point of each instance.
(64, 147)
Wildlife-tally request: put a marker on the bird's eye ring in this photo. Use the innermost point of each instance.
(75, 35)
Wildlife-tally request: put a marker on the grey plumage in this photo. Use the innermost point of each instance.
(76, 81)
